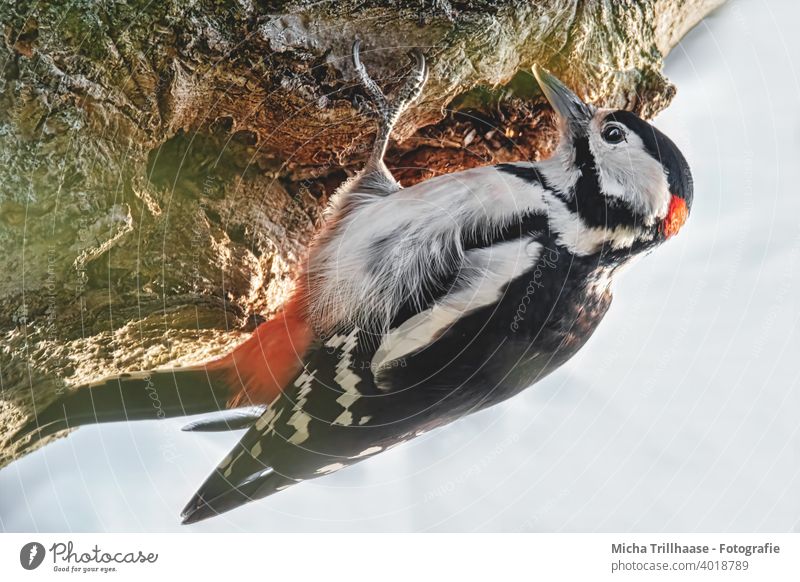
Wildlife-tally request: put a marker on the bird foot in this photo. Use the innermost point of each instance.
(389, 110)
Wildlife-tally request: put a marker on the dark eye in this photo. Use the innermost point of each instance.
(613, 134)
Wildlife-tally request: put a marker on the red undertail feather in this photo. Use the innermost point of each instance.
(264, 364)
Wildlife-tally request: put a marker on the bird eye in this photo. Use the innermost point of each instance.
(613, 134)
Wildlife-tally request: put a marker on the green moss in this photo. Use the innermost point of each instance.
(200, 164)
(484, 98)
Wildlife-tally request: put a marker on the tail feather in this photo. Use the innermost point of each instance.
(228, 420)
(212, 501)
(243, 475)
(252, 374)
(155, 394)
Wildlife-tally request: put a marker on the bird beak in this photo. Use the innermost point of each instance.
(574, 112)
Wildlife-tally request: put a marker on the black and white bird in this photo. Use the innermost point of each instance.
(428, 303)
(420, 305)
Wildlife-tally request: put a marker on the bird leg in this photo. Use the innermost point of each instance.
(389, 111)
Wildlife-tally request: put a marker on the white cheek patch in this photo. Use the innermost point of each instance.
(628, 172)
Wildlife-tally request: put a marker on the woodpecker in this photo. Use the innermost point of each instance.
(417, 306)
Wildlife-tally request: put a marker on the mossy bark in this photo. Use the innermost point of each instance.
(163, 164)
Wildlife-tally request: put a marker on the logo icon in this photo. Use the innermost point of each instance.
(31, 555)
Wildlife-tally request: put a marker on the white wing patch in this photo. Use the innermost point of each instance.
(228, 464)
(485, 273)
(333, 467)
(345, 378)
(368, 451)
(300, 418)
(266, 423)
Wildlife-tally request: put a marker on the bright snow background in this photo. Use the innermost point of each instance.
(682, 413)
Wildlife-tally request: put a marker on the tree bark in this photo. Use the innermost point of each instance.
(163, 164)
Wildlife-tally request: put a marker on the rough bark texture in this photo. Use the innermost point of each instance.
(163, 164)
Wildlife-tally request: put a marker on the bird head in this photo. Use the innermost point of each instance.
(618, 171)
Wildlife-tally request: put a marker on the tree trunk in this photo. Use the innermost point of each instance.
(163, 164)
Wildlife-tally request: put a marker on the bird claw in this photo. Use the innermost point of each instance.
(415, 81)
(361, 104)
(389, 111)
(376, 97)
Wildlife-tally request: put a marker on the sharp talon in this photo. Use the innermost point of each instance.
(420, 74)
(415, 81)
(388, 112)
(375, 93)
(357, 49)
(418, 58)
(360, 104)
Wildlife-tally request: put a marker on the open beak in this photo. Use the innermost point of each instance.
(569, 107)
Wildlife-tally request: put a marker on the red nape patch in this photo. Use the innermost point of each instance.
(676, 216)
(258, 370)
